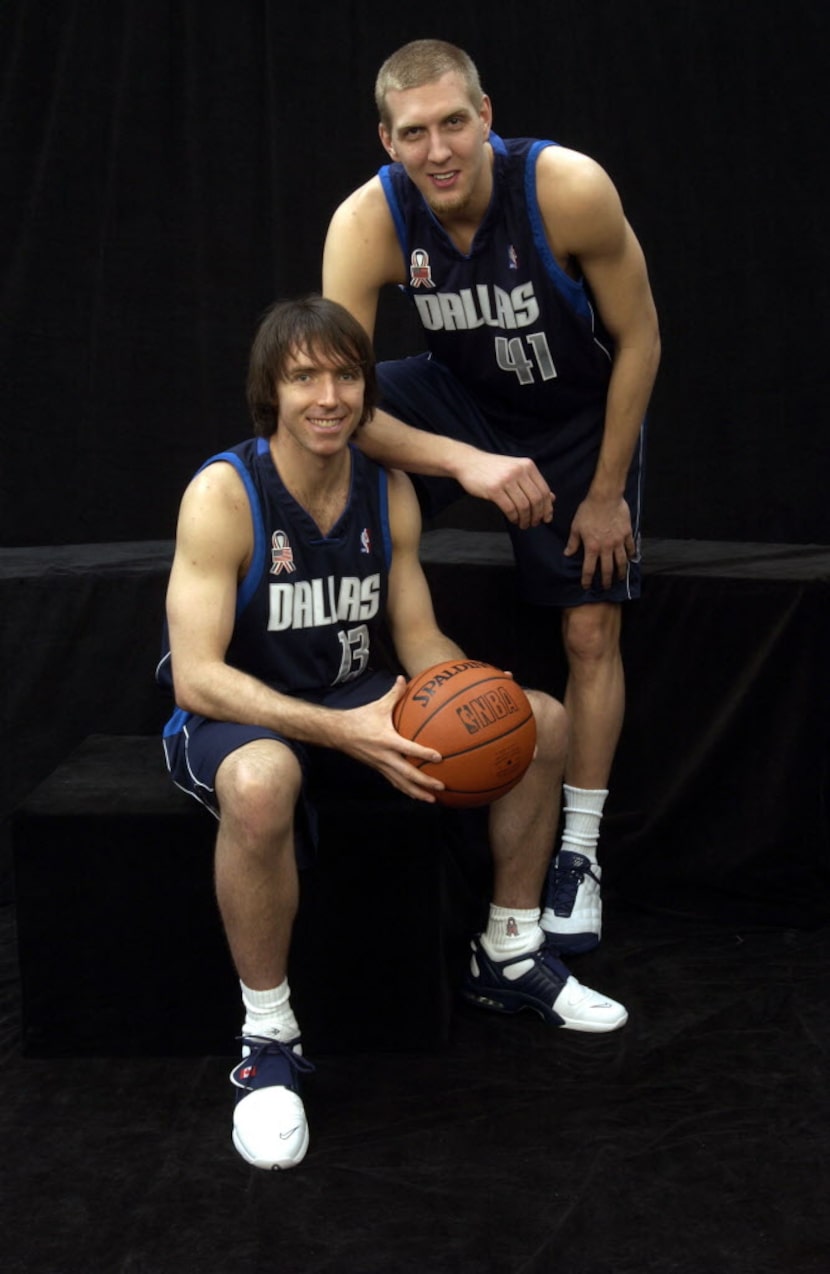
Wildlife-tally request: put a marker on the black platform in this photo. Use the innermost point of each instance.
(120, 945)
(719, 796)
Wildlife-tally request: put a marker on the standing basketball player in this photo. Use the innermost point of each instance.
(543, 338)
(290, 549)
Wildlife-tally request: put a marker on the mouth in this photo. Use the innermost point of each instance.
(443, 181)
(327, 424)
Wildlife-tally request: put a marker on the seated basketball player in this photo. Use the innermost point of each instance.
(290, 548)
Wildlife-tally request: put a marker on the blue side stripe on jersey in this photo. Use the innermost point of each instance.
(383, 495)
(572, 290)
(176, 723)
(394, 208)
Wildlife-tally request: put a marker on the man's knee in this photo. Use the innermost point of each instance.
(591, 633)
(257, 787)
(551, 726)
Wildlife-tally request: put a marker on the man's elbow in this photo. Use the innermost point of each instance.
(656, 347)
(188, 693)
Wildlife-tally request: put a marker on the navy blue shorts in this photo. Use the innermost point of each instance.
(196, 746)
(422, 392)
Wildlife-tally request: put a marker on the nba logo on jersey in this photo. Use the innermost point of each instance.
(512, 258)
(282, 556)
(365, 540)
(420, 273)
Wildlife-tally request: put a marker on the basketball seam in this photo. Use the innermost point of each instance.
(456, 694)
(482, 743)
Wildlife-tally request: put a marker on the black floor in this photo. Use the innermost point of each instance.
(695, 1141)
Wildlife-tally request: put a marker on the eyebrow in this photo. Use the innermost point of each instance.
(453, 114)
(307, 365)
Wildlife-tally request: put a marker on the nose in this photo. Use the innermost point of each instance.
(327, 389)
(439, 147)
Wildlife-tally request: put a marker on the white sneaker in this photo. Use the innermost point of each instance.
(572, 905)
(541, 982)
(269, 1124)
(582, 1009)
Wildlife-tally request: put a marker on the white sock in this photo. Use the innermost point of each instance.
(512, 932)
(583, 813)
(269, 1013)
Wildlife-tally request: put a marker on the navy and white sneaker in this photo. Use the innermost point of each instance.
(541, 982)
(572, 905)
(269, 1123)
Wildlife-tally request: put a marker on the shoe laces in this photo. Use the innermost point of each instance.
(566, 881)
(262, 1049)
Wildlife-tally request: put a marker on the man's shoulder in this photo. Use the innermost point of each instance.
(366, 204)
(572, 167)
(224, 469)
(362, 250)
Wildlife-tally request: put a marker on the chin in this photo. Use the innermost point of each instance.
(441, 205)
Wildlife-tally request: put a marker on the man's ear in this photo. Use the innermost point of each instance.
(386, 141)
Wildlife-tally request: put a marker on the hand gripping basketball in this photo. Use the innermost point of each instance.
(478, 719)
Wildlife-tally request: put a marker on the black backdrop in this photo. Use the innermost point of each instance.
(169, 168)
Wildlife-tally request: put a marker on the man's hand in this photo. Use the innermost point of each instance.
(368, 735)
(603, 528)
(514, 485)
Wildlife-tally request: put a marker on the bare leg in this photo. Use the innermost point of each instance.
(595, 698)
(595, 695)
(523, 823)
(257, 890)
(256, 873)
(511, 968)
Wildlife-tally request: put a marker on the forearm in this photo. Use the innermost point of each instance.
(629, 391)
(222, 693)
(418, 654)
(396, 445)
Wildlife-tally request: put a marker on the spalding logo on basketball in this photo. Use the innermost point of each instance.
(478, 719)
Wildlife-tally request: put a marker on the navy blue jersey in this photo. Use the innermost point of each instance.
(519, 333)
(310, 607)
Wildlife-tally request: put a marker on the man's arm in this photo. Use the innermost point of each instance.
(213, 545)
(362, 255)
(585, 222)
(214, 540)
(418, 640)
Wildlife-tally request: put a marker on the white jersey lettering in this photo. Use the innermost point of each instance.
(321, 602)
(466, 310)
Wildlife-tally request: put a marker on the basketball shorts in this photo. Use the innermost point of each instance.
(422, 392)
(195, 747)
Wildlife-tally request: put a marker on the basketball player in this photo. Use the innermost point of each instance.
(290, 549)
(535, 302)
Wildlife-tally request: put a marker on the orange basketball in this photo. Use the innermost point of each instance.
(478, 719)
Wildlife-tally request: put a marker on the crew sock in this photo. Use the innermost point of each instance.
(269, 1013)
(583, 813)
(512, 932)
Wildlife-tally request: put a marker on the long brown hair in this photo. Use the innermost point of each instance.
(318, 326)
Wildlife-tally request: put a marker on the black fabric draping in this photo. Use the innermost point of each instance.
(168, 168)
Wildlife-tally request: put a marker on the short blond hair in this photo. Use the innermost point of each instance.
(424, 62)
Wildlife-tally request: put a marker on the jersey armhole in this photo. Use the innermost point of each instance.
(388, 186)
(573, 290)
(257, 566)
(383, 502)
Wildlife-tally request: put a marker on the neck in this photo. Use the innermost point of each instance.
(461, 224)
(319, 483)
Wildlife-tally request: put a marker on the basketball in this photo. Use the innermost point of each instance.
(478, 719)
